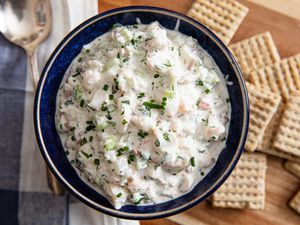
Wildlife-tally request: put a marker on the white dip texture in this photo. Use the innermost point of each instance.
(143, 114)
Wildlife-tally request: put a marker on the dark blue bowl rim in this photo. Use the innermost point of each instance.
(114, 212)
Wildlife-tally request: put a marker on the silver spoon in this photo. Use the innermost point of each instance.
(27, 23)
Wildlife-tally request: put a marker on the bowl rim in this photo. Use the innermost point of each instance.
(115, 212)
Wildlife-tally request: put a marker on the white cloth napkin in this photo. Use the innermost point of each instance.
(66, 15)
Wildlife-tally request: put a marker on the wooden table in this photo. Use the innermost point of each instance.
(280, 185)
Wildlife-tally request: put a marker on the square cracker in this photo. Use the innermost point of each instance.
(267, 140)
(263, 106)
(287, 138)
(255, 52)
(293, 167)
(280, 154)
(223, 17)
(282, 77)
(295, 202)
(245, 188)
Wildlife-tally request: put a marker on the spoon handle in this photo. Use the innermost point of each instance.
(53, 184)
(33, 67)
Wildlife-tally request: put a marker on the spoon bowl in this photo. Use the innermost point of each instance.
(27, 23)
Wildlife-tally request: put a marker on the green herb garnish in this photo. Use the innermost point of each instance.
(97, 162)
(85, 154)
(91, 126)
(166, 137)
(142, 133)
(131, 158)
(138, 201)
(199, 82)
(81, 103)
(192, 161)
(83, 141)
(119, 195)
(157, 143)
(105, 87)
(141, 95)
(153, 105)
(77, 92)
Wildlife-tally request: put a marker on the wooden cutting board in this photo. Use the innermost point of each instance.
(280, 185)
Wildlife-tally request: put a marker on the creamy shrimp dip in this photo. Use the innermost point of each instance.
(143, 114)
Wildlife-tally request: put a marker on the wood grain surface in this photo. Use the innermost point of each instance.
(280, 185)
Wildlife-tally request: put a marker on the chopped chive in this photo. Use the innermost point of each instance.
(97, 162)
(153, 105)
(104, 107)
(157, 143)
(73, 138)
(138, 201)
(119, 195)
(192, 161)
(81, 103)
(76, 74)
(73, 128)
(142, 133)
(126, 102)
(207, 91)
(78, 92)
(90, 127)
(156, 75)
(199, 82)
(202, 173)
(126, 59)
(131, 158)
(166, 137)
(141, 95)
(67, 152)
(91, 138)
(83, 141)
(105, 87)
(85, 154)
(124, 122)
(79, 60)
(223, 139)
(69, 102)
(111, 97)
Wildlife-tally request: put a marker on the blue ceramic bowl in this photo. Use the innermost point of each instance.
(51, 78)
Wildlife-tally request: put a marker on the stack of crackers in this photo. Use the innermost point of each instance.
(274, 92)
